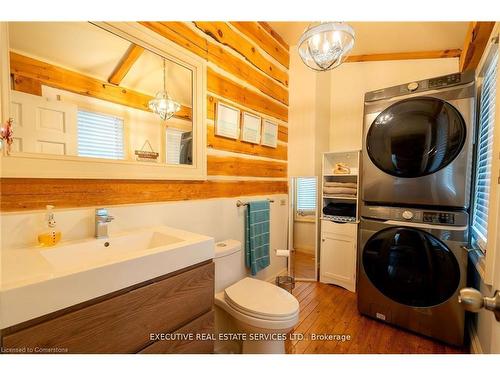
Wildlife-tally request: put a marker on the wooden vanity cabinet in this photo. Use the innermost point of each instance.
(123, 322)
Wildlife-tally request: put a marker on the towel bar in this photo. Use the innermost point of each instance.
(240, 203)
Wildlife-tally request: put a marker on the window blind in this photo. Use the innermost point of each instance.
(100, 135)
(174, 137)
(484, 153)
(306, 195)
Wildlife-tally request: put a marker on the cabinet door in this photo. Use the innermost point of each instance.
(338, 260)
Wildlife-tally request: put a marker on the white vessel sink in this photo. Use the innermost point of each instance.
(37, 281)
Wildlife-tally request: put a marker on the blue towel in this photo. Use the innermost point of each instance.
(257, 236)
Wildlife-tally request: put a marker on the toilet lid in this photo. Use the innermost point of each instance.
(260, 298)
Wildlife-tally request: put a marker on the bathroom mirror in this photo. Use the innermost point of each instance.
(303, 227)
(81, 99)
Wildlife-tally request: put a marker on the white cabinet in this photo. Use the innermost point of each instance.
(338, 254)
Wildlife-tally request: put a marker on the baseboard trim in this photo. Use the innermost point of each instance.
(475, 343)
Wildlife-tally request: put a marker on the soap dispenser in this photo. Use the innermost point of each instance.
(51, 236)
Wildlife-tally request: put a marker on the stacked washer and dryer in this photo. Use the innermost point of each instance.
(416, 179)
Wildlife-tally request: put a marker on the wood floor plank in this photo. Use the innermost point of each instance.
(331, 309)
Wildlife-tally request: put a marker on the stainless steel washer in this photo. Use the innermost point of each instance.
(411, 266)
(417, 143)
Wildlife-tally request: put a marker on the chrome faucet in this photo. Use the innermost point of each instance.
(102, 218)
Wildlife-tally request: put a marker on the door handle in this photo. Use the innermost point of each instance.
(472, 300)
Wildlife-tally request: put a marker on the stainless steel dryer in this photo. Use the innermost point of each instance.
(417, 143)
(411, 267)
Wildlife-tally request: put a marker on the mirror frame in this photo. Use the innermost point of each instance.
(31, 165)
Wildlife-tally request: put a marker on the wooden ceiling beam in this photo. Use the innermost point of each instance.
(475, 43)
(126, 62)
(405, 55)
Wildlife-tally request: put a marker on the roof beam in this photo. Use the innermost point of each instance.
(475, 42)
(439, 54)
(126, 62)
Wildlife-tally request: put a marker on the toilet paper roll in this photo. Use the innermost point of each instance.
(282, 253)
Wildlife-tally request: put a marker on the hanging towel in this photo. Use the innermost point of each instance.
(257, 236)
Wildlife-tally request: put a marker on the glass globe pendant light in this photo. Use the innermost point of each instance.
(163, 104)
(325, 45)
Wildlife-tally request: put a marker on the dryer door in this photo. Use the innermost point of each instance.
(416, 137)
(411, 266)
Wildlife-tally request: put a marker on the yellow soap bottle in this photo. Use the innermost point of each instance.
(51, 236)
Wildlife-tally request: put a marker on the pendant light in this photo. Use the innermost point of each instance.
(325, 45)
(163, 104)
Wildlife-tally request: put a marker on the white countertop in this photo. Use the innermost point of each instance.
(37, 281)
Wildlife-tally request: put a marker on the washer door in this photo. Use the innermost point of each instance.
(416, 137)
(411, 266)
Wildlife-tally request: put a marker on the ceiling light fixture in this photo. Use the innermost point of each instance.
(163, 104)
(325, 45)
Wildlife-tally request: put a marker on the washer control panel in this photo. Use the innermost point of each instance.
(451, 79)
(415, 215)
(439, 217)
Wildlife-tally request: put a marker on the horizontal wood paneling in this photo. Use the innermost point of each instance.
(405, 55)
(35, 194)
(212, 105)
(64, 79)
(181, 34)
(224, 34)
(262, 38)
(26, 85)
(235, 166)
(235, 145)
(274, 34)
(223, 86)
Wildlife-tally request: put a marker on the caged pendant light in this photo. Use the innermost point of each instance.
(163, 104)
(325, 45)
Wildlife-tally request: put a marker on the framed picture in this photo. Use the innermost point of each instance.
(250, 129)
(269, 134)
(227, 121)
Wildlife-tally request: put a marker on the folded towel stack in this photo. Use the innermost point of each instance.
(341, 189)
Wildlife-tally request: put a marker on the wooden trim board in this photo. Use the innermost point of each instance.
(475, 43)
(447, 53)
(20, 194)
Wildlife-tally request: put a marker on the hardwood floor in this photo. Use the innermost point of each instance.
(328, 309)
(303, 264)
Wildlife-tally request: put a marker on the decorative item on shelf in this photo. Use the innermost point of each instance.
(163, 104)
(251, 128)
(227, 121)
(145, 155)
(270, 134)
(341, 168)
(7, 135)
(325, 45)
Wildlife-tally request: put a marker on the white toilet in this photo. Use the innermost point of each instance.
(259, 310)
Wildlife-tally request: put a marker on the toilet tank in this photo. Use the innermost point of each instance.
(229, 264)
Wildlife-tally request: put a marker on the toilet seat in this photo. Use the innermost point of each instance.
(261, 300)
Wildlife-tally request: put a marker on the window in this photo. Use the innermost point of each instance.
(306, 196)
(174, 138)
(100, 135)
(484, 155)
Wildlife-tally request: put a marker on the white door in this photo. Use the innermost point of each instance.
(338, 260)
(43, 126)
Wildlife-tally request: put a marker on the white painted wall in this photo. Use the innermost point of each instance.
(350, 81)
(218, 218)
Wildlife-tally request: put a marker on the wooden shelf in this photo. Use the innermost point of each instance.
(337, 197)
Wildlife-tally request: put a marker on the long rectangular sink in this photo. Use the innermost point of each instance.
(37, 281)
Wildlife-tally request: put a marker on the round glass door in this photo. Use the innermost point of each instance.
(416, 137)
(411, 267)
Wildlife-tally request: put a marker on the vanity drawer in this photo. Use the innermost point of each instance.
(345, 229)
(201, 328)
(123, 324)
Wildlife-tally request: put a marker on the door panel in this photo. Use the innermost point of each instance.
(411, 266)
(416, 137)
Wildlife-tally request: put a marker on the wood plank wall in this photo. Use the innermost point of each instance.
(247, 68)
